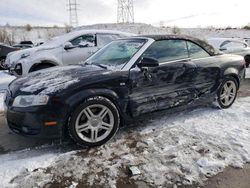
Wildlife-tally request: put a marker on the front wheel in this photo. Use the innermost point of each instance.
(227, 92)
(2, 66)
(94, 122)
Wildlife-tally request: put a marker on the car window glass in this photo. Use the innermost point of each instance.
(167, 50)
(117, 53)
(88, 40)
(232, 44)
(103, 39)
(196, 51)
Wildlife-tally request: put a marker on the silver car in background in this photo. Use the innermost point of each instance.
(232, 46)
(70, 48)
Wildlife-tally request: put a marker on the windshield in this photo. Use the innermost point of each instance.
(117, 53)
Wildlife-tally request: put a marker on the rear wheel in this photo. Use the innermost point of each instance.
(227, 92)
(94, 122)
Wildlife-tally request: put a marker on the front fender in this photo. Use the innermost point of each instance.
(74, 100)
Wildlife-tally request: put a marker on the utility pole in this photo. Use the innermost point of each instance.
(125, 11)
(72, 7)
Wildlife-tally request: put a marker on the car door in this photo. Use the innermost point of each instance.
(83, 47)
(207, 71)
(169, 84)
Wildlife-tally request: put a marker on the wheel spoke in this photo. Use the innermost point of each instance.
(226, 100)
(94, 134)
(223, 96)
(103, 113)
(230, 88)
(89, 114)
(83, 127)
(106, 126)
(226, 87)
(232, 95)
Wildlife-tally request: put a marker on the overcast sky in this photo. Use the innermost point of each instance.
(181, 13)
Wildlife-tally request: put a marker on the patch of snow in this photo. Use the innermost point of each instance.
(181, 148)
(247, 73)
(1, 102)
(23, 162)
(5, 79)
(48, 81)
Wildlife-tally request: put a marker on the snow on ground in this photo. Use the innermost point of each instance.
(5, 79)
(1, 102)
(178, 148)
(22, 162)
(248, 73)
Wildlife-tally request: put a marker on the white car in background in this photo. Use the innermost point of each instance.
(231, 46)
(247, 40)
(70, 48)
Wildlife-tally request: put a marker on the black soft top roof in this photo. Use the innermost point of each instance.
(210, 49)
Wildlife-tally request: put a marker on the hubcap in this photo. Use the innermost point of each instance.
(94, 123)
(228, 93)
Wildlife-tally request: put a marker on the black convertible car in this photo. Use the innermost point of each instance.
(125, 79)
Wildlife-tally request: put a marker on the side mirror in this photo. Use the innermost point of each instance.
(148, 62)
(68, 46)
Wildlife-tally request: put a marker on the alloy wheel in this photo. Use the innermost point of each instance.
(228, 93)
(94, 123)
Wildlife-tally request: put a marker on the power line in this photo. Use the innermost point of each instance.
(125, 11)
(72, 6)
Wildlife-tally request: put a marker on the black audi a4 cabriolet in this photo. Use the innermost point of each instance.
(125, 79)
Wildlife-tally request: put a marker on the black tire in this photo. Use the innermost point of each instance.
(42, 66)
(2, 59)
(221, 90)
(247, 59)
(77, 113)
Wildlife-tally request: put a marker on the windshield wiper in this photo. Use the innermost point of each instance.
(100, 65)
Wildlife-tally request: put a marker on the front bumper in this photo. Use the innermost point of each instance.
(31, 121)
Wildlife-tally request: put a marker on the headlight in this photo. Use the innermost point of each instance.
(30, 100)
(25, 55)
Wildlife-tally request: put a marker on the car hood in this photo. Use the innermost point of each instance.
(56, 79)
(16, 55)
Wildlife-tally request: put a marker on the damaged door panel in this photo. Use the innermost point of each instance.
(170, 84)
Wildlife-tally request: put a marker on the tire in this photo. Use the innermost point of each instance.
(227, 93)
(94, 122)
(2, 59)
(247, 59)
(42, 66)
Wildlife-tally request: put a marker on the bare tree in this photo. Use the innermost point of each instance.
(28, 27)
(176, 30)
(6, 37)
